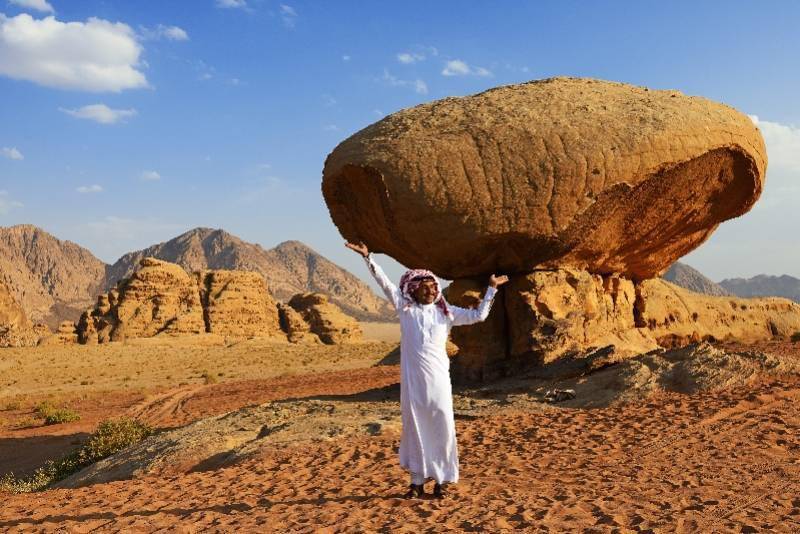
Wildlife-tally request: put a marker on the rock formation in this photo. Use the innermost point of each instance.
(593, 175)
(325, 319)
(66, 334)
(547, 315)
(238, 304)
(51, 279)
(686, 277)
(288, 269)
(162, 299)
(158, 298)
(296, 328)
(15, 328)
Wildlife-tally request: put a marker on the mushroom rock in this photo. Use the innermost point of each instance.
(565, 172)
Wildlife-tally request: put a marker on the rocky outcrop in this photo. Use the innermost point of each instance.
(238, 304)
(288, 269)
(296, 328)
(65, 334)
(15, 328)
(579, 173)
(674, 316)
(686, 277)
(160, 298)
(551, 315)
(53, 280)
(325, 319)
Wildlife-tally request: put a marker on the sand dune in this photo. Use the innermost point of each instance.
(720, 459)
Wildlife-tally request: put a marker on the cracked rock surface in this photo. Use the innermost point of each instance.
(564, 172)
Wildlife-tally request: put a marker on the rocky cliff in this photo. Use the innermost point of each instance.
(51, 279)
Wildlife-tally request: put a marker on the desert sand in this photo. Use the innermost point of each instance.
(710, 442)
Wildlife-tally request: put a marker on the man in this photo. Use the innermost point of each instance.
(428, 441)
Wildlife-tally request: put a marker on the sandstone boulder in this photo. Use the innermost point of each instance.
(325, 319)
(565, 172)
(237, 303)
(65, 334)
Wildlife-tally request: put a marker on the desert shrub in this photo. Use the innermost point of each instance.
(55, 416)
(13, 405)
(110, 437)
(796, 337)
(208, 377)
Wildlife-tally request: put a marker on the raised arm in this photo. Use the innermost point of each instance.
(389, 289)
(465, 316)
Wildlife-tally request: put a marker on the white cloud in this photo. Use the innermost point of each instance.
(409, 57)
(7, 204)
(96, 55)
(150, 176)
(171, 33)
(418, 85)
(12, 153)
(231, 3)
(100, 113)
(330, 128)
(456, 67)
(288, 15)
(783, 145)
(37, 5)
(346, 58)
(95, 188)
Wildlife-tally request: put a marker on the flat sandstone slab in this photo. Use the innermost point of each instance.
(565, 172)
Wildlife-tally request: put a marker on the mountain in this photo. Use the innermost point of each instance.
(289, 268)
(689, 278)
(51, 279)
(764, 286)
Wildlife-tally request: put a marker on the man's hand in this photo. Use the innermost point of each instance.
(496, 281)
(361, 248)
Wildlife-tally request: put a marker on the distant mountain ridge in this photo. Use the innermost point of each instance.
(55, 280)
(689, 278)
(764, 286)
(51, 279)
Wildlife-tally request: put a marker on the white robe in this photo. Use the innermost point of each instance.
(428, 440)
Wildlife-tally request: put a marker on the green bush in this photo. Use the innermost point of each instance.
(55, 416)
(110, 437)
(795, 337)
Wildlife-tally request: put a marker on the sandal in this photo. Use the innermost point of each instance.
(440, 491)
(415, 491)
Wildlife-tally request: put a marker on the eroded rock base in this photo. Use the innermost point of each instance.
(546, 316)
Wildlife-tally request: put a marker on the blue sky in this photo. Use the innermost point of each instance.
(123, 124)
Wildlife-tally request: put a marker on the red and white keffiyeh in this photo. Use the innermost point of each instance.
(411, 280)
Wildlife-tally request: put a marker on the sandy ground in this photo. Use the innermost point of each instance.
(725, 460)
